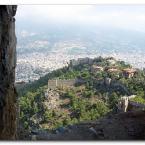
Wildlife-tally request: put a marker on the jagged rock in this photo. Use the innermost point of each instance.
(7, 72)
(51, 99)
(122, 126)
(93, 130)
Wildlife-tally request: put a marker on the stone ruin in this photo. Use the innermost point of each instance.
(58, 83)
(125, 104)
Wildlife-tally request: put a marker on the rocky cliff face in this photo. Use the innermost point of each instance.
(7, 72)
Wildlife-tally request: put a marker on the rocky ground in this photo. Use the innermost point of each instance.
(122, 126)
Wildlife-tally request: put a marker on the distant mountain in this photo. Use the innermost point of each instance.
(94, 38)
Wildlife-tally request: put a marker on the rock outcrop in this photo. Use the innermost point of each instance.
(51, 100)
(122, 126)
(7, 72)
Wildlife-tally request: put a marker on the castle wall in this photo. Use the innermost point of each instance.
(53, 84)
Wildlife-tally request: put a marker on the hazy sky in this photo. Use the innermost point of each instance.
(124, 16)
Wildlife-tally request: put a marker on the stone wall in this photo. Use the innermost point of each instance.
(66, 83)
(134, 106)
(125, 104)
(53, 84)
(85, 60)
(7, 72)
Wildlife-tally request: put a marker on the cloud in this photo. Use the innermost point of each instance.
(51, 11)
(125, 16)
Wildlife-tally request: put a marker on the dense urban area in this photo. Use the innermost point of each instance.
(40, 53)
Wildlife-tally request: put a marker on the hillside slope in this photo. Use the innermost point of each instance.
(56, 108)
(123, 126)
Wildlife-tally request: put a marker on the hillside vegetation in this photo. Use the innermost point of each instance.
(104, 82)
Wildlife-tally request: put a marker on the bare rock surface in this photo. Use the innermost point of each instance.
(7, 72)
(122, 126)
